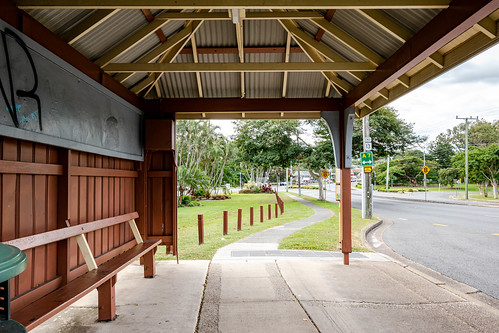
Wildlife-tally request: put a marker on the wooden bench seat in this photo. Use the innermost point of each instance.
(102, 277)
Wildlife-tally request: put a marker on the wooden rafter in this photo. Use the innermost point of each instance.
(223, 4)
(196, 60)
(292, 27)
(328, 17)
(130, 42)
(166, 58)
(286, 60)
(179, 37)
(87, 25)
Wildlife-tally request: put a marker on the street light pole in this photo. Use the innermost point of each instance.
(466, 153)
(387, 172)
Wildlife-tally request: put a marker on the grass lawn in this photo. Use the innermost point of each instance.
(324, 236)
(213, 212)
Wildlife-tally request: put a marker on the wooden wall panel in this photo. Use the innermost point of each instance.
(161, 196)
(29, 204)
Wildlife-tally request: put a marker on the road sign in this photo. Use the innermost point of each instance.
(368, 146)
(366, 158)
(368, 169)
(325, 174)
(367, 139)
(425, 169)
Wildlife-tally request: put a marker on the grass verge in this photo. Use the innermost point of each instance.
(324, 235)
(213, 211)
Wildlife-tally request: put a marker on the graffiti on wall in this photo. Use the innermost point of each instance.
(18, 115)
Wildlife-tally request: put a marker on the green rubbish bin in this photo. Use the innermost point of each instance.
(12, 263)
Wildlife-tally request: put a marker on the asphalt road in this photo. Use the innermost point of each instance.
(459, 241)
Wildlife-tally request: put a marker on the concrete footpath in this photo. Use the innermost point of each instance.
(251, 286)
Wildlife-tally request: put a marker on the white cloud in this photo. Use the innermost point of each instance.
(471, 89)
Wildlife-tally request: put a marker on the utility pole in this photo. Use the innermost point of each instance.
(299, 181)
(424, 163)
(387, 172)
(367, 203)
(466, 153)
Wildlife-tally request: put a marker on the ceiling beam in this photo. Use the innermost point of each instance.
(220, 16)
(180, 36)
(172, 53)
(268, 67)
(207, 105)
(130, 42)
(247, 50)
(224, 4)
(88, 24)
(446, 26)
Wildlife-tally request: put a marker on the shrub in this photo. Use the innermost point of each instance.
(266, 188)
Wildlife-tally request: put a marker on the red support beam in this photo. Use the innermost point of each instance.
(172, 105)
(446, 26)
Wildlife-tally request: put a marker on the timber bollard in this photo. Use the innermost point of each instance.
(276, 213)
(251, 215)
(270, 212)
(200, 229)
(239, 219)
(226, 222)
(261, 213)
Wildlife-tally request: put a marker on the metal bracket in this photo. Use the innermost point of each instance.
(333, 121)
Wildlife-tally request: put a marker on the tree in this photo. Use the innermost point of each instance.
(447, 176)
(441, 151)
(480, 134)
(406, 169)
(265, 144)
(202, 154)
(485, 161)
(390, 135)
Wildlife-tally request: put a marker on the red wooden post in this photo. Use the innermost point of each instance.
(276, 213)
(270, 212)
(346, 214)
(149, 263)
(251, 215)
(239, 219)
(200, 229)
(226, 222)
(107, 301)
(261, 213)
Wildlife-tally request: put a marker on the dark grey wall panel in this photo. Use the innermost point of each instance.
(58, 105)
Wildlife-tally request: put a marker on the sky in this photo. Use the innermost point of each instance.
(471, 89)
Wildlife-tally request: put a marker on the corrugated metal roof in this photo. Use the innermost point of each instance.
(179, 85)
(220, 84)
(412, 19)
(216, 34)
(264, 85)
(366, 32)
(110, 33)
(59, 20)
(264, 33)
(305, 85)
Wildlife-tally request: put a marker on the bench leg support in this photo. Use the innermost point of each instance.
(107, 300)
(149, 264)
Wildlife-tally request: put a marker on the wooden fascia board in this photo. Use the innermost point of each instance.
(447, 25)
